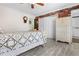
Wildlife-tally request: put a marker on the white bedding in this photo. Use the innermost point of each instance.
(15, 43)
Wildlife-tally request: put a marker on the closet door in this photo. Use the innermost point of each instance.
(47, 25)
(75, 23)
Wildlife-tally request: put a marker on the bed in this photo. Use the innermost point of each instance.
(15, 43)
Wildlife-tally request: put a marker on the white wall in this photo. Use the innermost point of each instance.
(75, 22)
(11, 20)
(47, 24)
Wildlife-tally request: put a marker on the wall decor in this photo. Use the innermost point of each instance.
(25, 18)
(30, 22)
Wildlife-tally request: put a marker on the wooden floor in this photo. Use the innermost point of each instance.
(53, 48)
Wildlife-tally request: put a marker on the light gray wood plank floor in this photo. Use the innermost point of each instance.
(53, 48)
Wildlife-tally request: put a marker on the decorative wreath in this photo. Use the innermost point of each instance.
(25, 18)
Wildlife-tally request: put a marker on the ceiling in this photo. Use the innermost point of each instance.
(38, 10)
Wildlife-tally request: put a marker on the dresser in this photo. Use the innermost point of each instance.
(63, 29)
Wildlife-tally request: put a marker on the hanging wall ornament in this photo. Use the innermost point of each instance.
(25, 18)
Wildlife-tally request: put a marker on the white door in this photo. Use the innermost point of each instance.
(75, 23)
(47, 25)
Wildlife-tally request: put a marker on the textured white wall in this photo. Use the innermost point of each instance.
(11, 20)
(47, 25)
